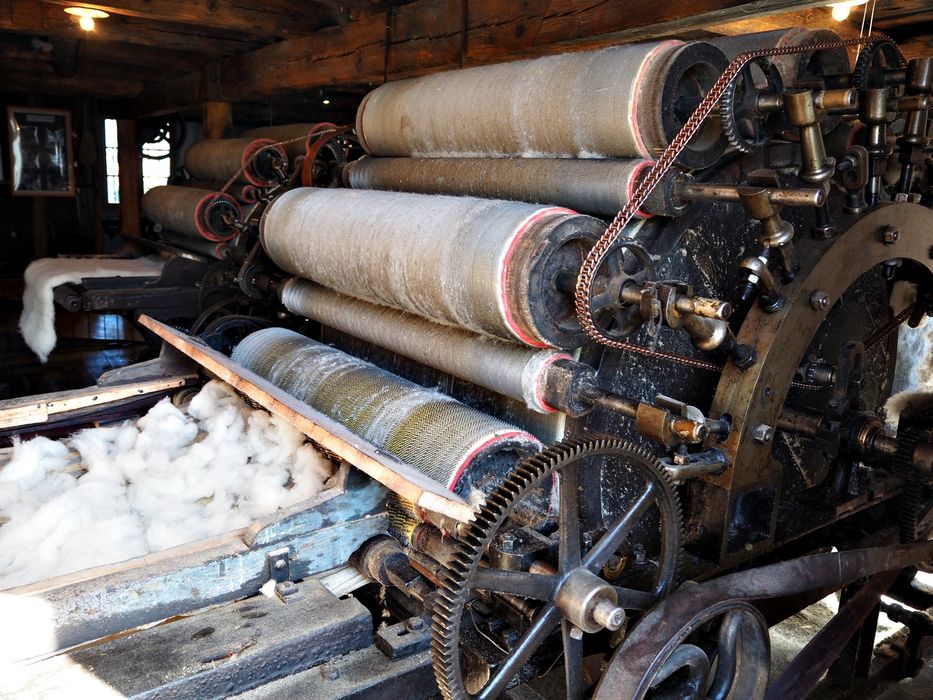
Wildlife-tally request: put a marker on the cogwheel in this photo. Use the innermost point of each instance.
(873, 61)
(463, 566)
(747, 128)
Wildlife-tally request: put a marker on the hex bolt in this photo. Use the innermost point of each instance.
(819, 301)
(280, 564)
(330, 672)
(576, 633)
(889, 235)
(762, 433)
(413, 624)
(609, 615)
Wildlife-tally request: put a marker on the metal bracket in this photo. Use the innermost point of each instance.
(277, 567)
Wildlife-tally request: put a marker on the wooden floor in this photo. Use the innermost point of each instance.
(88, 345)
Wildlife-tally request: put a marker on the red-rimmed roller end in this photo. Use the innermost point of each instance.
(259, 159)
(209, 216)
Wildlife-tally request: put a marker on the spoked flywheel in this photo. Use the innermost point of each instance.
(518, 573)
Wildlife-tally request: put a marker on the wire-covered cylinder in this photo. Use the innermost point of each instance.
(512, 370)
(490, 266)
(620, 102)
(193, 212)
(456, 445)
(595, 186)
(257, 161)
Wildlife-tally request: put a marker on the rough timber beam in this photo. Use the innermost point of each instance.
(431, 35)
(269, 18)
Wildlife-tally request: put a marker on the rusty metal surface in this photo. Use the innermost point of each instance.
(639, 659)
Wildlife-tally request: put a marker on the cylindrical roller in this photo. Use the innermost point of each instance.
(487, 265)
(293, 137)
(620, 102)
(201, 246)
(258, 161)
(506, 368)
(243, 192)
(800, 68)
(193, 212)
(456, 445)
(595, 186)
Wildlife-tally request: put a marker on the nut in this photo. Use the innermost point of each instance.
(819, 301)
(889, 235)
(762, 433)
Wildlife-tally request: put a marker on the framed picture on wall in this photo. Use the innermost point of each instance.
(41, 159)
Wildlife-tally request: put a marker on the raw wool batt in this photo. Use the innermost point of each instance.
(163, 480)
(37, 322)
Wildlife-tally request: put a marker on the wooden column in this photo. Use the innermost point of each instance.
(130, 177)
(216, 119)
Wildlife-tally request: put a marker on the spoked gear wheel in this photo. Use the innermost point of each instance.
(746, 126)
(627, 263)
(724, 651)
(566, 590)
(874, 61)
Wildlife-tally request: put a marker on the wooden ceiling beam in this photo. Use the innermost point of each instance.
(429, 35)
(40, 79)
(272, 19)
(44, 19)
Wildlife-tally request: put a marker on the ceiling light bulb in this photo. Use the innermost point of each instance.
(86, 16)
(841, 10)
(326, 101)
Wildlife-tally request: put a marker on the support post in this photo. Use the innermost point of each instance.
(216, 119)
(130, 177)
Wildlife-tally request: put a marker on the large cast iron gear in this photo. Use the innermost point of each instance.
(549, 583)
(913, 427)
(748, 128)
(874, 61)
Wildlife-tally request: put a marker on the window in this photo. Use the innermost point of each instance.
(112, 161)
(157, 161)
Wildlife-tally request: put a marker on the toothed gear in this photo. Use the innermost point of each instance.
(911, 429)
(874, 57)
(746, 128)
(457, 583)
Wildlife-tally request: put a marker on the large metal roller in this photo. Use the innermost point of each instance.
(243, 192)
(257, 161)
(513, 370)
(454, 444)
(794, 68)
(595, 186)
(487, 265)
(295, 138)
(193, 212)
(621, 102)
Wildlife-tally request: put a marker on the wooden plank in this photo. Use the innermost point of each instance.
(131, 191)
(428, 35)
(29, 410)
(402, 478)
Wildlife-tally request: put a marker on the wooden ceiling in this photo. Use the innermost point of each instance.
(157, 56)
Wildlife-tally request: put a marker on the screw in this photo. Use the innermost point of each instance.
(889, 235)
(819, 301)
(640, 553)
(414, 624)
(330, 672)
(762, 433)
(576, 633)
(280, 564)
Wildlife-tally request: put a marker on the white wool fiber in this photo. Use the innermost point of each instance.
(37, 322)
(150, 484)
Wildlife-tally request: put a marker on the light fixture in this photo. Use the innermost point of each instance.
(841, 9)
(86, 16)
(325, 101)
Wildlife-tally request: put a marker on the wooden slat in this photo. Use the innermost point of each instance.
(401, 478)
(428, 35)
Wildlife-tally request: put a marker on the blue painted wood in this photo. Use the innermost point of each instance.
(320, 538)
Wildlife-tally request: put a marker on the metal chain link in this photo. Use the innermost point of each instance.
(597, 254)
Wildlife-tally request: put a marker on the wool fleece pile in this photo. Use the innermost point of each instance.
(108, 494)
